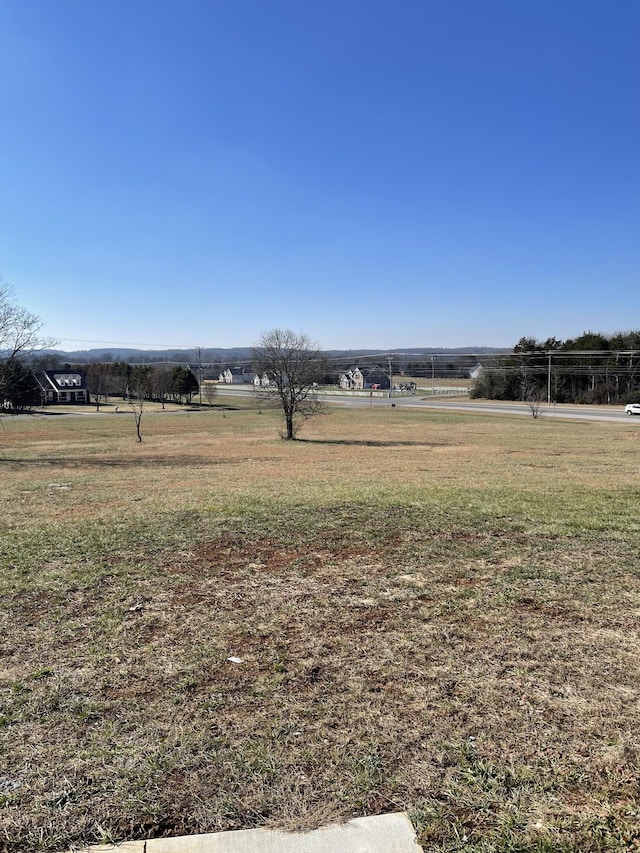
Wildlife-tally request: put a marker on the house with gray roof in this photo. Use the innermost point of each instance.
(63, 386)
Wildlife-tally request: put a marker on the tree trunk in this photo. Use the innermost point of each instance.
(289, 427)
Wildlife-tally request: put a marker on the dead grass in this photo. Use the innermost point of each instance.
(433, 612)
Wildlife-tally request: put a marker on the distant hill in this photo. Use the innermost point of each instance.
(419, 351)
(155, 356)
(231, 355)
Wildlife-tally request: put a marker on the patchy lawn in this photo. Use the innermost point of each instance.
(216, 629)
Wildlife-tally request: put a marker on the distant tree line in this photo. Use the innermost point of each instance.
(140, 381)
(20, 389)
(591, 368)
(439, 366)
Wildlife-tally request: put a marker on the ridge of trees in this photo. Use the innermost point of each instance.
(243, 354)
(591, 368)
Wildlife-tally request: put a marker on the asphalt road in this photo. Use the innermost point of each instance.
(588, 413)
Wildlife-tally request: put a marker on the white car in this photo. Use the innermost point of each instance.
(632, 409)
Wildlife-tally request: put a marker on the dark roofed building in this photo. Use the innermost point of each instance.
(63, 386)
(377, 378)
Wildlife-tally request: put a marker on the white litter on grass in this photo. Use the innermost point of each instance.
(235, 660)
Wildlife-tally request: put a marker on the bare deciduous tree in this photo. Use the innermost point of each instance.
(209, 390)
(138, 391)
(100, 382)
(161, 384)
(137, 407)
(532, 395)
(294, 366)
(18, 327)
(18, 334)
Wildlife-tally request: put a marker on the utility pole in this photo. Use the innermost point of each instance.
(390, 376)
(199, 379)
(549, 382)
(433, 377)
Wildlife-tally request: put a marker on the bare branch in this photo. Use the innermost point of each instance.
(19, 328)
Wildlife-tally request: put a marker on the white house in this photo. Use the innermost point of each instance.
(234, 376)
(352, 380)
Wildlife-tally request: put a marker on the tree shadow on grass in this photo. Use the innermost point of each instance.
(125, 462)
(366, 442)
(38, 413)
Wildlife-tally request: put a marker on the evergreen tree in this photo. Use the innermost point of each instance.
(19, 388)
(184, 384)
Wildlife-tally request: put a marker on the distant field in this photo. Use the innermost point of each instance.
(433, 612)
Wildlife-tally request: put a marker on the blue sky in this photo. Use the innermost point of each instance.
(434, 173)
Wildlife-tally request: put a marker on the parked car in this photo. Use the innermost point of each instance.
(632, 409)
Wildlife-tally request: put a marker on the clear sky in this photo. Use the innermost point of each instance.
(374, 173)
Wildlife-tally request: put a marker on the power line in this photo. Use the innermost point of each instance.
(131, 344)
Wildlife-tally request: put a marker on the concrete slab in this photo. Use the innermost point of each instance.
(389, 833)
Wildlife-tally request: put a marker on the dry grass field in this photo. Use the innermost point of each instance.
(431, 612)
